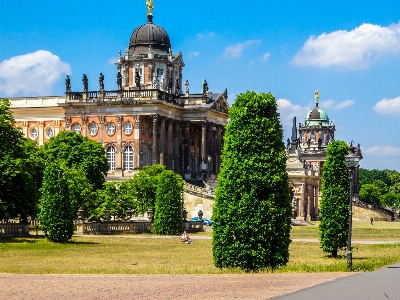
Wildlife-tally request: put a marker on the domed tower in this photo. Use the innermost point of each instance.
(148, 62)
(317, 131)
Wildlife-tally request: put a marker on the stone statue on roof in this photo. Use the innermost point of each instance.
(137, 79)
(154, 83)
(187, 86)
(316, 94)
(85, 83)
(67, 84)
(119, 80)
(101, 82)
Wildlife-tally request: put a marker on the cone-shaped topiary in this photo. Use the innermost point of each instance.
(334, 206)
(56, 211)
(252, 206)
(169, 204)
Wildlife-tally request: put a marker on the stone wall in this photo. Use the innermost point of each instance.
(197, 198)
(364, 211)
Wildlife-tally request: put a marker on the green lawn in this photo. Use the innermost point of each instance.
(105, 255)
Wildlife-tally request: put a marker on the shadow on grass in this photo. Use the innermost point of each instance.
(36, 238)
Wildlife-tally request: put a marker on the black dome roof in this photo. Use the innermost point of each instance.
(148, 35)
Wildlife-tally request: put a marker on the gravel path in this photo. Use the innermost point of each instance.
(252, 286)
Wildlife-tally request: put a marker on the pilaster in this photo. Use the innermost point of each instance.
(155, 139)
(170, 150)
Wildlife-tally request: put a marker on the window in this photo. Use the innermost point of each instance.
(110, 153)
(110, 128)
(140, 71)
(49, 132)
(128, 158)
(160, 73)
(93, 129)
(34, 133)
(128, 128)
(313, 136)
(76, 128)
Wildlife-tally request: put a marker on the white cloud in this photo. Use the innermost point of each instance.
(388, 106)
(31, 73)
(113, 60)
(332, 104)
(234, 51)
(192, 54)
(266, 56)
(382, 151)
(205, 35)
(288, 110)
(351, 50)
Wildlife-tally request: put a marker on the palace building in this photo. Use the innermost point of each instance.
(306, 155)
(150, 117)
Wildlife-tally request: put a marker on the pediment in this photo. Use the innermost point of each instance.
(221, 105)
(178, 60)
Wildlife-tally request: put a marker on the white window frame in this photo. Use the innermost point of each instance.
(110, 153)
(33, 133)
(131, 128)
(47, 132)
(76, 125)
(90, 130)
(128, 158)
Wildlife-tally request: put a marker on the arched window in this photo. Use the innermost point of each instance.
(128, 158)
(110, 153)
(313, 136)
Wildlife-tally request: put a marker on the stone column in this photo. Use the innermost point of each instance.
(101, 129)
(162, 142)
(56, 127)
(67, 123)
(136, 141)
(316, 204)
(302, 200)
(170, 150)
(218, 147)
(155, 139)
(186, 142)
(210, 149)
(25, 128)
(203, 164)
(118, 154)
(41, 133)
(84, 125)
(178, 148)
(309, 199)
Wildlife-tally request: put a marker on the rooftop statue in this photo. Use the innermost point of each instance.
(85, 83)
(316, 94)
(101, 81)
(119, 80)
(67, 84)
(149, 4)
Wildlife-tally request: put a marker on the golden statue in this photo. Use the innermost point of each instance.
(149, 4)
(316, 94)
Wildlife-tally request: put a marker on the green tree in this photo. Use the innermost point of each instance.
(252, 209)
(81, 153)
(114, 197)
(143, 186)
(169, 204)
(371, 193)
(21, 168)
(334, 206)
(56, 211)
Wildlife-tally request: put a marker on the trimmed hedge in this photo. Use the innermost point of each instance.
(252, 210)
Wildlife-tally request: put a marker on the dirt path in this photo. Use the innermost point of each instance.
(258, 286)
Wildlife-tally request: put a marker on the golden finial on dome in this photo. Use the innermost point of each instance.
(149, 4)
(316, 94)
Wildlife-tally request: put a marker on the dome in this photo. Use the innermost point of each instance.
(316, 116)
(149, 35)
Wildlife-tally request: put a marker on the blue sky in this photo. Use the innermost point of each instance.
(349, 50)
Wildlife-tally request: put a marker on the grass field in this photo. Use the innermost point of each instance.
(106, 255)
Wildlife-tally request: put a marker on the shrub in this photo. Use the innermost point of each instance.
(252, 206)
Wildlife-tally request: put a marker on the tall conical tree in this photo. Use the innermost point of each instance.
(252, 206)
(334, 207)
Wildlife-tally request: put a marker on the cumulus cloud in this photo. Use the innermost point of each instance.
(336, 106)
(352, 50)
(382, 151)
(388, 106)
(192, 54)
(234, 51)
(266, 56)
(288, 110)
(31, 73)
